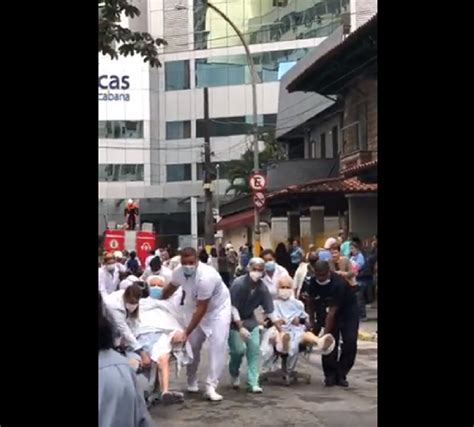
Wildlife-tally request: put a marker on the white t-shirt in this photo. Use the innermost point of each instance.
(205, 284)
(164, 272)
(148, 259)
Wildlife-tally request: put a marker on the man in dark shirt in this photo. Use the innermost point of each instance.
(332, 297)
(247, 293)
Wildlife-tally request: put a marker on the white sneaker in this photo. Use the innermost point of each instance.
(193, 387)
(235, 382)
(256, 389)
(211, 394)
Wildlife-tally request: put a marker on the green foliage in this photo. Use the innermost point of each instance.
(240, 170)
(114, 40)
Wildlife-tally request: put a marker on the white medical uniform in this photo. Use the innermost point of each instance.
(121, 267)
(126, 326)
(272, 282)
(164, 272)
(148, 259)
(206, 284)
(108, 282)
(174, 262)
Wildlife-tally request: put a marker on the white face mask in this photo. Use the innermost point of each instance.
(131, 307)
(255, 275)
(110, 267)
(324, 282)
(285, 293)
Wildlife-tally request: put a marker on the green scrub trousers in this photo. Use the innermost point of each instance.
(252, 350)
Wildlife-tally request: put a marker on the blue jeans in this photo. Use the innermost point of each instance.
(364, 287)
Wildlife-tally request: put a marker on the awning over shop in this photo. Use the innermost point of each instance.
(236, 220)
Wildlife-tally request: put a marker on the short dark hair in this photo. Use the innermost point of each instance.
(123, 275)
(144, 287)
(267, 252)
(107, 328)
(133, 254)
(155, 263)
(355, 244)
(356, 239)
(321, 267)
(188, 252)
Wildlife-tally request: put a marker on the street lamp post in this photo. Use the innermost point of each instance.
(253, 74)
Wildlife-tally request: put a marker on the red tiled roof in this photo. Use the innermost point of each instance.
(360, 168)
(330, 185)
(235, 220)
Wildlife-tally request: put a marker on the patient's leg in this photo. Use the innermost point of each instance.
(324, 342)
(163, 372)
(308, 338)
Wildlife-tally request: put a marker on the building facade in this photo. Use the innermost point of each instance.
(151, 146)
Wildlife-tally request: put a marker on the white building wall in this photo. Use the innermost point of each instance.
(154, 105)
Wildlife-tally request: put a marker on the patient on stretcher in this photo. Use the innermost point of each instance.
(294, 324)
(159, 319)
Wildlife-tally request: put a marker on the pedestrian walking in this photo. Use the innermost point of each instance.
(282, 256)
(296, 256)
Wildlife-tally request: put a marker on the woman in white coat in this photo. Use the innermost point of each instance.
(108, 275)
(123, 306)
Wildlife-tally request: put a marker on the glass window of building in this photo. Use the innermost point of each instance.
(120, 129)
(121, 173)
(177, 75)
(265, 21)
(178, 129)
(228, 126)
(175, 173)
(234, 70)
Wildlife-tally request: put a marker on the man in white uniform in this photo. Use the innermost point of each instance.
(206, 308)
(108, 275)
(157, 269)
(120, 262)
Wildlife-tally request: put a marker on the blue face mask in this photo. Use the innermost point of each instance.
(270, 266)
(189, 270)
(155, 292)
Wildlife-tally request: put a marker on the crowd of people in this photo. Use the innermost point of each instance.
(240, 304)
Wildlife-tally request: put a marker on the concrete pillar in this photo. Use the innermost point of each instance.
(194, 222)
(363, 214)
(317, 225)
(294, 230)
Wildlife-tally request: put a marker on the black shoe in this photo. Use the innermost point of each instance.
(329, 382)
(342, 383)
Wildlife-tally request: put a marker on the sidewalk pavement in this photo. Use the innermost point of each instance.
(368, 329)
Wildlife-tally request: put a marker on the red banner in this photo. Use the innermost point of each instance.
(146, 241)
(114, 240)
